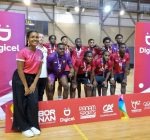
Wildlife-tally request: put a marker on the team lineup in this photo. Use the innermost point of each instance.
(40, 65)
(93, 66)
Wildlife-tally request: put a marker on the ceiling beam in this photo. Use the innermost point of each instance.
(11, 4)
(55, 4)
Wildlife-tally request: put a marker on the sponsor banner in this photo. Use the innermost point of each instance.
(55, 113)
(12, 31)
(72, 111)
(108, 107)
(142, 57)
(87, 110)
(137, 105)
(75, 111)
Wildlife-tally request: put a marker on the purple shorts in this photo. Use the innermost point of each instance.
(52, 77)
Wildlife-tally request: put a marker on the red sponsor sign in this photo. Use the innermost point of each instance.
(72, 111)
(142, 57)
(108, 107)
(137, 105)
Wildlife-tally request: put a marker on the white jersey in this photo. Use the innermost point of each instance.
(44, 64)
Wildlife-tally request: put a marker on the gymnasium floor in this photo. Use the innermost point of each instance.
(131, 129)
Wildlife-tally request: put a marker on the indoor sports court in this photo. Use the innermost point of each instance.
(74, 69)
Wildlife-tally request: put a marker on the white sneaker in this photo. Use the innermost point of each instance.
(35, 131)
(28, 133)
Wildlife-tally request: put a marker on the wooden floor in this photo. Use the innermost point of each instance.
(130, 129)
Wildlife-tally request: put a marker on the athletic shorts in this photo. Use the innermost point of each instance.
(99, 80)
(52, 77)
(82, 79)
(119, 77)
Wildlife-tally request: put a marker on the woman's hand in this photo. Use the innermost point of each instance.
(32, 88)
(27, 91)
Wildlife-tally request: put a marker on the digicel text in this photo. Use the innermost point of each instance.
(5, 48)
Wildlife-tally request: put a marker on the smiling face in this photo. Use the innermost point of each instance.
(33, 39)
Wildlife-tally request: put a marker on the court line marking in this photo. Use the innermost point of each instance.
(80, 132)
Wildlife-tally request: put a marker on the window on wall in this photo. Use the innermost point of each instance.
(39, 26)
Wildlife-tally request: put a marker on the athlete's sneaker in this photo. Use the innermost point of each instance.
(28, 133)
(35, 131)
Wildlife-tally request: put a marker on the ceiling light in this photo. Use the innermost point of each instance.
(27, 2)
(122, 12)
(77, 9)
(107, 8)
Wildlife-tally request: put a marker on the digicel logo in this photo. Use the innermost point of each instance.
(146, 50)
(6, 31)
(68, 117)
(5, 35)
(147, 39)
